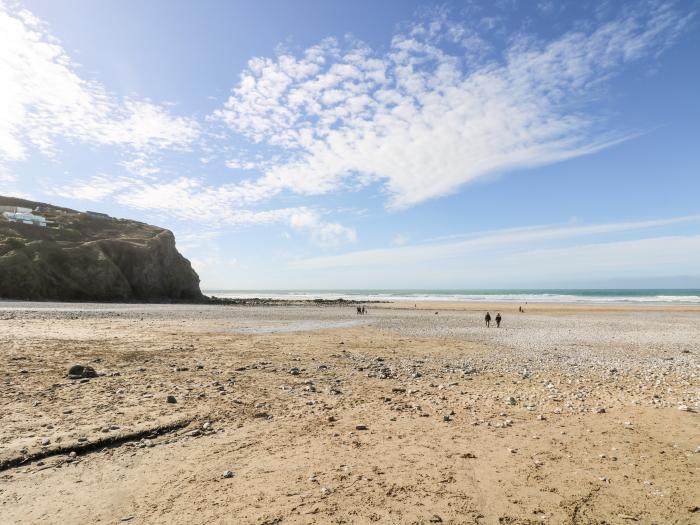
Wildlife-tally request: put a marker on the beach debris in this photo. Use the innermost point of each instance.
(684, 408)
(228, 474)
(446, 418)
(170, 399)
(81, 372)
(207, 426)
(435, 518)
(511, 400)
(194, 433)
(361, 427)
(294, 371)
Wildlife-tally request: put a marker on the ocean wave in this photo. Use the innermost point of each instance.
(586, 297)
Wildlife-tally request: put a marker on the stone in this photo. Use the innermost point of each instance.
(435, 518)
(170, 399)
(81, 372)
(194, 433)
(294, 371)
(228, 474)
(361, 427)
(45, 442)
(511, 400)
(600, 410)
(73, 454)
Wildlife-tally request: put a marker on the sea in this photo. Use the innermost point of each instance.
(518, 296)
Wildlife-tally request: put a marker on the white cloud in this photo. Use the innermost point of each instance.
(43, 98)
(487, 242)
(95, 189)
(399, 240)
(423, 122)
(189, 199)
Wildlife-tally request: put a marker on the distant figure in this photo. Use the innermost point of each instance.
(498, 320)
(520, 308)
(487, 318)
(364, 311)
(359, 311)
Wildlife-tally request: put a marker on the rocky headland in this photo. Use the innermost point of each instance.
(79, 256)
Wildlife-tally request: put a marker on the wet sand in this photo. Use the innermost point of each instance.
(566, 414)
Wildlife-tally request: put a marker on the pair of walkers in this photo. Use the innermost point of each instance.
(487, 318)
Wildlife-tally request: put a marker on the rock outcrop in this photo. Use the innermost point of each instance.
(90, 257)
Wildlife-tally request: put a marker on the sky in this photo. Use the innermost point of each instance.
(323, 144)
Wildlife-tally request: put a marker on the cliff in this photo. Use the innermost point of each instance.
(88, 257)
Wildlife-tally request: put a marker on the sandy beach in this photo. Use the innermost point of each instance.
(312, 414)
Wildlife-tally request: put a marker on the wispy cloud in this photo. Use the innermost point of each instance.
(43, 98)
(510, 239)
(424, 122)
(189, 199)
(94, 189)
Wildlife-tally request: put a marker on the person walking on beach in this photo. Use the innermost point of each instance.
(487, 318)
(498, 320)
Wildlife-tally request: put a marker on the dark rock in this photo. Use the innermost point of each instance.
(81, 372)
(171, 399)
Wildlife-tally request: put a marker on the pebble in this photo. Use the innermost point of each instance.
(361, 427)
(600, 410)
(228, 474)
(45, 442)
(171, 399)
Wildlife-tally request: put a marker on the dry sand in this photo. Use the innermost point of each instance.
(564, 415)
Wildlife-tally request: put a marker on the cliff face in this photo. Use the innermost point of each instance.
(83, 257)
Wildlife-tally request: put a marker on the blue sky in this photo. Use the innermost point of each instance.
(396, 144)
